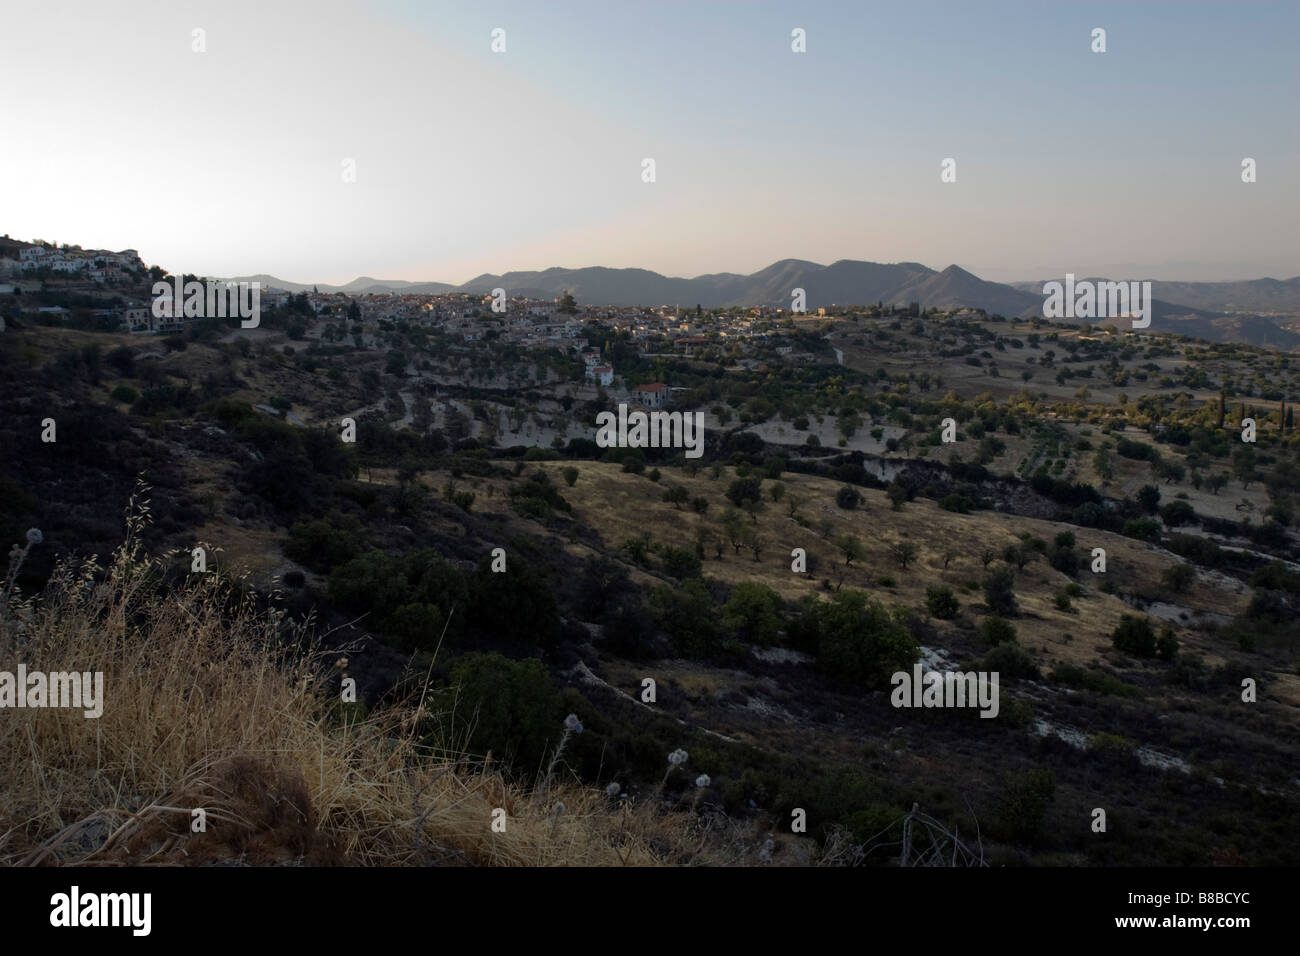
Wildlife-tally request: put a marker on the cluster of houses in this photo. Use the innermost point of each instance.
(98, 265)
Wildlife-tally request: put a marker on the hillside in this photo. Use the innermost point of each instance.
(1122, 688)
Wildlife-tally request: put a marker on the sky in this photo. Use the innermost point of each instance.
(116, 132)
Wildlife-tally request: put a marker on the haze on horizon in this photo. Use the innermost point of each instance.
(227, 162)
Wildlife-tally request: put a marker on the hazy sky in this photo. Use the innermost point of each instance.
(115, 133)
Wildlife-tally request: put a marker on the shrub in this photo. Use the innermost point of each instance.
(676, 495)
(1166, 644)
(860, 641)
(742, 490)
(999, 593)
(1064, 559)
(320, 546)
(1178, 513)
(1148, 497)
(847, 497)
(124, 393)
(1143, 529)
(753, 613)
(904, 552)
(1023, 806)
(1111, 747)
(1010, 660)
(997, 630)
(1177, 577)
(537, 497)
(688, 615)
(1072, 675)
(958, 503)
(942, 603)
(681, 563)
(510, 707)
(1134, 635)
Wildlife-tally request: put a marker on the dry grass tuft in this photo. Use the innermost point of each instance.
(212, 704)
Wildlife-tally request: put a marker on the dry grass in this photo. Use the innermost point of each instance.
(207, 707)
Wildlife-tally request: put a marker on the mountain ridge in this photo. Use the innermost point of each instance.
(843, 282)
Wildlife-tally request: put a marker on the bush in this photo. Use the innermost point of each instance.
(511, 708)
(1134, 635)
(847, 497)
(537, 497)
(688, 615)
(1143, 529)
(125, 393)
(570, 475)
(1010, 660)
(958, 503)
(999, 593)
(320, 546)
(1023, 806)
(1072, 675)
(753, 613)
(942, 603)
(1178, 513)
(681, 563)
(1177, 577)
(997, 630)
(1111, 747)
(742, 490)
(1166, 644)
(676, 495)
(860, 641)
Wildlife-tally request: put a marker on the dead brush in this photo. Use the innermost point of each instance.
(208, 706)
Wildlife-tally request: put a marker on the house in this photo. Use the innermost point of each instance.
(139, 320)
(654, 395)
(601, 374)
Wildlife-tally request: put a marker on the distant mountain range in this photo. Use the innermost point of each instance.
(846, 282)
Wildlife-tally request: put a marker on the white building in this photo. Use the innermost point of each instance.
(139, 320)
(654, 395)
(601, 374)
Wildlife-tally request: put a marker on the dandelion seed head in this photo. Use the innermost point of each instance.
(34, 536)
(677, 757)
(702, 780)
(572, 723)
